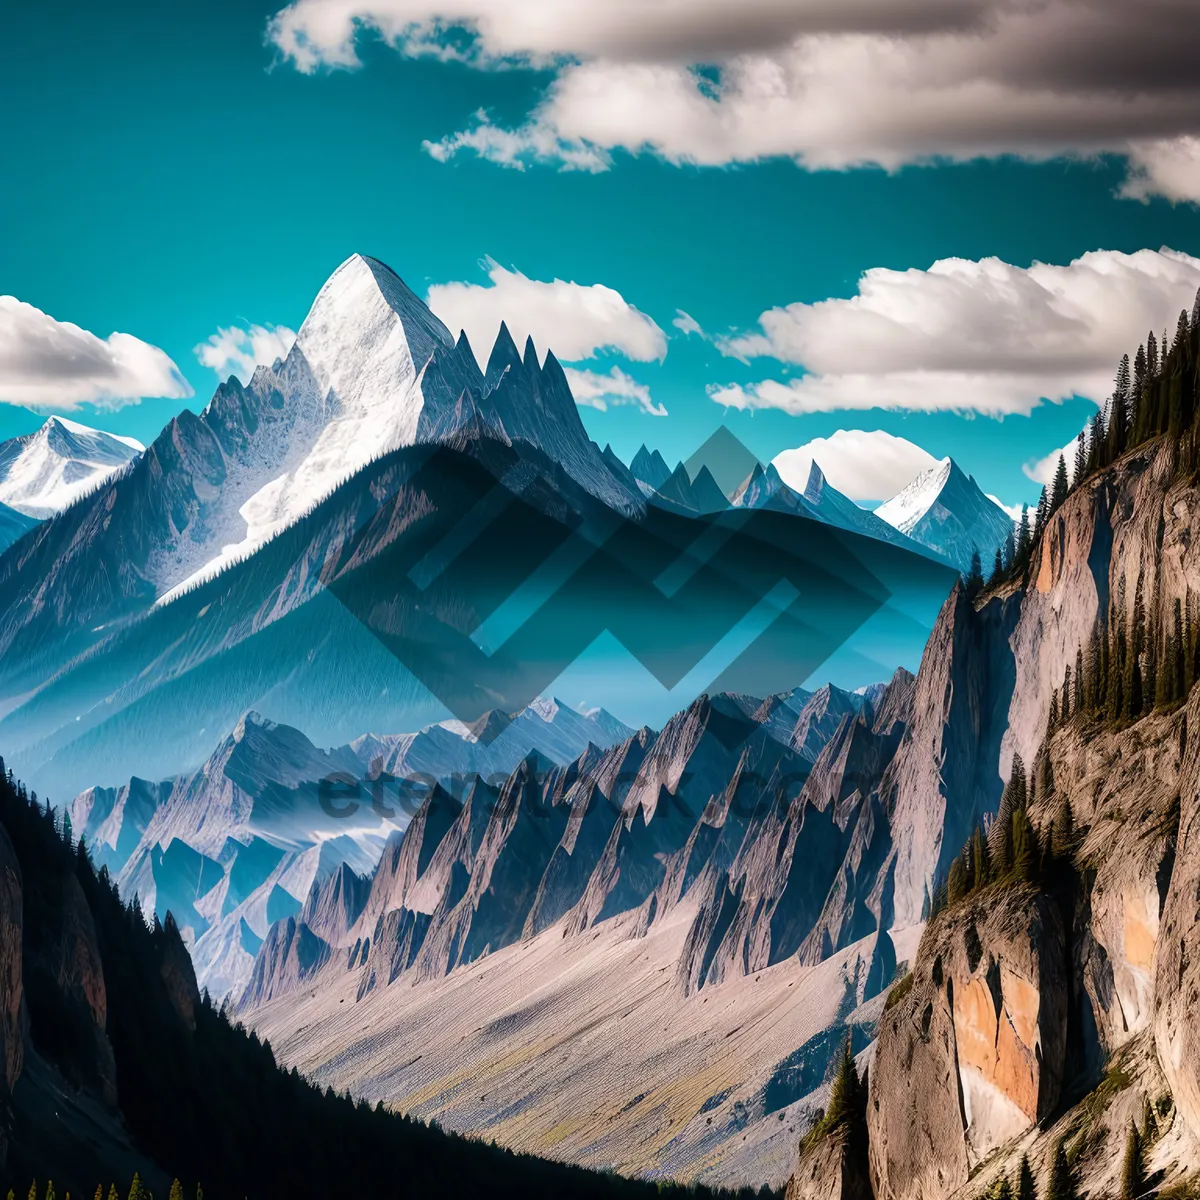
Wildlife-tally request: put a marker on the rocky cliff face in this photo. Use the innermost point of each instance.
(973, 1052)
(12, 991)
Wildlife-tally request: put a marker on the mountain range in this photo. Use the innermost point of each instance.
(278, 553)
(945, 510)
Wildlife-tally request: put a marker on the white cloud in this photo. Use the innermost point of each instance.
(687, 324)
(932, 79)
(864, 464)
(596, 390)
(967, 336)
(1013, 510)
(1041, 470)
(236, 351)
(574, 320)
(47, 363)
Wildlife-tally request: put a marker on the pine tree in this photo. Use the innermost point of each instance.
(1063, 834)
(1079, 688)
(135, 1188)
(1140, 372)
(1182, 336)
(974, 580)
(980, 866)
(1095, 443)
(999, 1189)
(1042, 515)
(956, 882)
(1060, 1183)
(845, 1096)
(1116, 663)
(1196, 312)
(1133, 1171)
(176, 1192)
(1118, 412)
(1060, 487)
(1025, 1185)
(1023, 538)
(1081, 455)
(1026, 851)
(1151, 356)
(997, 569)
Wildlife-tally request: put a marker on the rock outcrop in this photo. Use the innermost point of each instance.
(972, 1045)
(1177, 957)
(12, 992)
(830, 1170)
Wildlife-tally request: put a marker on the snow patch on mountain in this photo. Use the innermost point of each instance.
(44, 472)
(946, 511)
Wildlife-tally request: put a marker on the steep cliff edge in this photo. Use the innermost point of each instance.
(972, 1047)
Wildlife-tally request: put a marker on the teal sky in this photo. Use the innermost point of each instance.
(163, 175)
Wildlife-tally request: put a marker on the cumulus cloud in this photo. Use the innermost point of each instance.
(864, 464)
(933, 79)
(967, 336)
(47, 363)
(687, 324)
(574, 320)
(596, 390)
(237, 351)
(1041, 470)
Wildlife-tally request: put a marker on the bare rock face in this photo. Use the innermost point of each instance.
(1121, 784)
(74, 958)
(945, 776)
(175, 967)
(12, 1036)
(971, 1052)
(1177, 962)
(830, 1170)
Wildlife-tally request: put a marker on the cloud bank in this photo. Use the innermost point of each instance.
(862, 464)
(966, 336)
(828, 83)
(595, 390)
(575, 321)
(46, 363)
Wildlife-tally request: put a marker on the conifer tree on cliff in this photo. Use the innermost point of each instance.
(1133, 1171)
(1060, 487)
(1060, 1183)
(1025, 1185)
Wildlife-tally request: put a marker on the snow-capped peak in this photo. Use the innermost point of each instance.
(45, 471)
(946, 511)
(908, 506)
(366, 332)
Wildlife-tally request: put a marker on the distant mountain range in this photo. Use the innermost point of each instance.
(44, 472)
(942, 513)
(242, 841)
(376, 499)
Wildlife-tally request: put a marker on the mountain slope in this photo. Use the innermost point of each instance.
(372, 369)
(46, 471)
(945, 510)
(12, 526)
(113, 1063)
